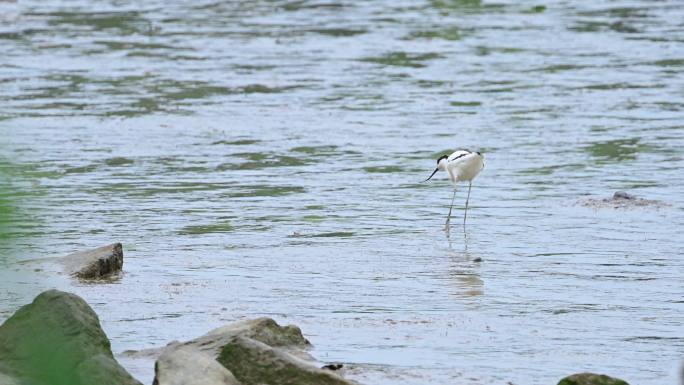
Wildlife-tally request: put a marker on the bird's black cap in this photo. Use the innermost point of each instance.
(442, 157)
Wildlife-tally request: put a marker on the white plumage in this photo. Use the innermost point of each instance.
(461, 166)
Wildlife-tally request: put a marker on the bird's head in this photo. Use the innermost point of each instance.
(441, 166)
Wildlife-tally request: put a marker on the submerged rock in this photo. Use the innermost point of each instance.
(623, 195)
(188, 366)
(254, 363)
(96, 263)
(57, 340)
(622, 200)
(591, 379)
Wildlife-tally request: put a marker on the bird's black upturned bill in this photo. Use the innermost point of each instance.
(433, 173)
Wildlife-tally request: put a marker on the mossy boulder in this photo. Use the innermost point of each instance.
(195, 361)
(591, 379)
(255, 363)
(57, 340)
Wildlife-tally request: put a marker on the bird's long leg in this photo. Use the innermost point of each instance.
(446, 225)
(470, 184)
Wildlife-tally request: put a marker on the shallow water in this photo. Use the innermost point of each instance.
(264, 158)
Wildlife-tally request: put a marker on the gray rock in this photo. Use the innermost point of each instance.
(96, 263)
(263, 329)
(264, 353)
(57, 340)
(255, 363)
(591, 379)
(188, 366)
(623, 195)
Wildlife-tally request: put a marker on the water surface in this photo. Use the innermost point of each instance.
(263, 158)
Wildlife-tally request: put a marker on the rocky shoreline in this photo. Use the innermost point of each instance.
(57, 340)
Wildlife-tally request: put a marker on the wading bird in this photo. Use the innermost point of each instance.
(462, 165)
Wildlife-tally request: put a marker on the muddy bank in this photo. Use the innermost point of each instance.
(622, 200)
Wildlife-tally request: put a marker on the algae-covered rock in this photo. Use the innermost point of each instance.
(591, 379)
(255, 363)
(188, 366)
(257, 351)
(96, 263)
(57, 340)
